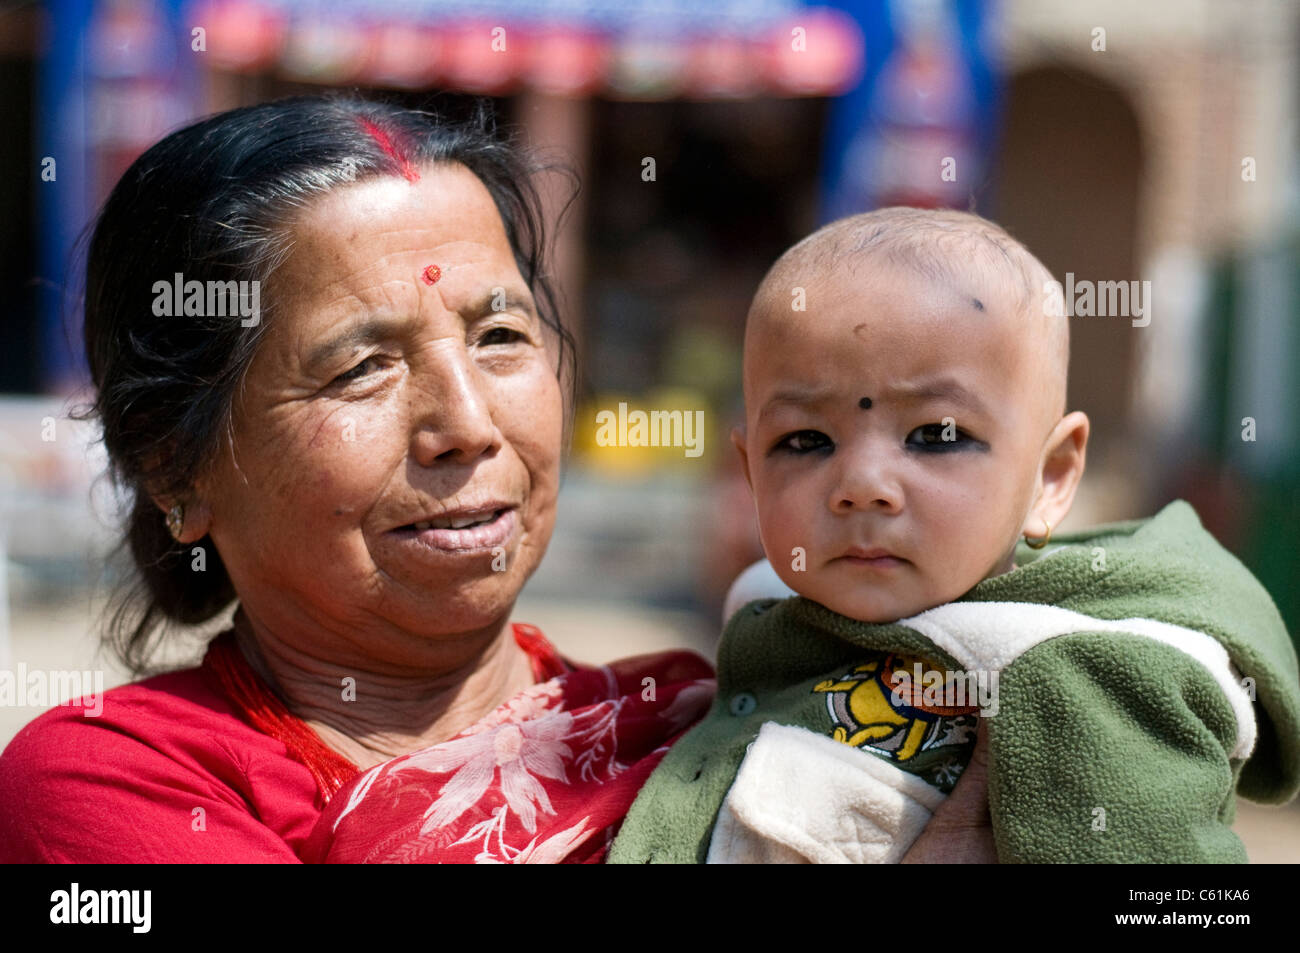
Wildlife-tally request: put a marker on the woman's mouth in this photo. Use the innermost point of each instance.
(467, 532)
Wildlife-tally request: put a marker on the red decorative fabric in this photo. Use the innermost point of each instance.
(254, 701)
(547, 777)
(258, 705)
(175, 769)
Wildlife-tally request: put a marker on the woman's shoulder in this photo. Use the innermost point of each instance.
(165, 713)
(146, 772)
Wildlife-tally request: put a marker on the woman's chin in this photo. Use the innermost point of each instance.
(469, 595)
(470, 608)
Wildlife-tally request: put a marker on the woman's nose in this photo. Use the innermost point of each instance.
(866, 480)
(454, 414)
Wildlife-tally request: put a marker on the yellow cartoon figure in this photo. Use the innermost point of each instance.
(877, 705)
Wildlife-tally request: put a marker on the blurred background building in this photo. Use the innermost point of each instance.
(1119, 141)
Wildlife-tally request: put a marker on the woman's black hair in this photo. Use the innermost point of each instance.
(213, 202)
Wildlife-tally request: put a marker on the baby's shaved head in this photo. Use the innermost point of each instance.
(905, 422)
(959, 250)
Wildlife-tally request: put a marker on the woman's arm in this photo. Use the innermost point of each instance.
(75, 789)
(961, 830)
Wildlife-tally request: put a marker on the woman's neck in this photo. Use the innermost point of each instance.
(379, 715)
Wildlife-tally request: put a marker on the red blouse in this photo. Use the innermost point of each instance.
(174, 771)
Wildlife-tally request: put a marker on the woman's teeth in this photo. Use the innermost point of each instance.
(459, 522)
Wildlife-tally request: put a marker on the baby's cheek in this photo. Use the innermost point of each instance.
(972, 558)
(777, 528)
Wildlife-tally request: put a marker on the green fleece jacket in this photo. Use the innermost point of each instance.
(1142, 677)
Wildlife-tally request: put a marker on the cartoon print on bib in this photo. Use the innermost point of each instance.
(879, 705)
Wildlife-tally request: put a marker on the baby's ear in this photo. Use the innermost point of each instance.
(738, 441)
(1063, 465)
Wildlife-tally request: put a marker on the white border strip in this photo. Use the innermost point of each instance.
(992, 635)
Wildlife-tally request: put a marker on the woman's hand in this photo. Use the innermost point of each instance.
(961, 831)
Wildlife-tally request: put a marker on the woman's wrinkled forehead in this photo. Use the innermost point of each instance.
(445, 203)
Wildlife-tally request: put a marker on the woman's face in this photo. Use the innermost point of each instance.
(386, 394)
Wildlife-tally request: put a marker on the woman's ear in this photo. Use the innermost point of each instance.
(197, 516)
(197, 512)
(1063, 463)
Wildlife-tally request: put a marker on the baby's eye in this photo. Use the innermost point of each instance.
(803, 441)
(932, 437)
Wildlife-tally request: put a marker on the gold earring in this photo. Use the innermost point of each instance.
(176, 521)
(1040, 543)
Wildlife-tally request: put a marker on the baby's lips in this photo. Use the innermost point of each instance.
(874, 552)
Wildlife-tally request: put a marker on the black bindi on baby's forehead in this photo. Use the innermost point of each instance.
(979, 305)
(864, 403)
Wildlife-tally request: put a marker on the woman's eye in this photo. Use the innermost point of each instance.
(502, 335)
(803, 441)
(356, 372)
(937, 437)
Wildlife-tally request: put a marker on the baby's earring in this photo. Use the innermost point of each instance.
(1040, 543)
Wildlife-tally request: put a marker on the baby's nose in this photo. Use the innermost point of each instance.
(866, 483)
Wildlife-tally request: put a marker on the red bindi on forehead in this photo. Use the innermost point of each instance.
(390, 148)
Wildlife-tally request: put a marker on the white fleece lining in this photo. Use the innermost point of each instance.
(801, 797)
(989, 636)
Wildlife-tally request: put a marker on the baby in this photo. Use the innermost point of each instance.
(905, 427)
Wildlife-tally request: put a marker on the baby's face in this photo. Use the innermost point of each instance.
(841, 482)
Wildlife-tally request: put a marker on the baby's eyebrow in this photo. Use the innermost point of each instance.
(796, 395)
(939, 388)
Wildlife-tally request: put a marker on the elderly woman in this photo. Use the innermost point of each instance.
(365, 455)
